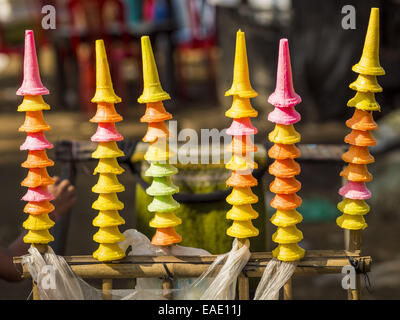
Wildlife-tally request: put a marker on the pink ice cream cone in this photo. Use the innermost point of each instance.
(106, 132)
(36, 141)
(355, 190)
(241, 127)
(31, 85)
(285, 116)
(284, 95)
(38, 194)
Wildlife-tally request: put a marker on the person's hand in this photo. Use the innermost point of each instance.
(65, 197)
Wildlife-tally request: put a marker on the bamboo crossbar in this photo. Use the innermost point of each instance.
(315, 261)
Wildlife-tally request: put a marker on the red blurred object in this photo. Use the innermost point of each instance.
(91, 20)
(149, 10)
(197, 41)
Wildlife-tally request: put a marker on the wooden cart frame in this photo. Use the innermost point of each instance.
(170, 267)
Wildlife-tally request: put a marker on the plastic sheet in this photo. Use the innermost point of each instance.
(219, 283)
(71, 287)
(275, 275)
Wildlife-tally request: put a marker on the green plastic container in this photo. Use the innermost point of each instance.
(203, 223)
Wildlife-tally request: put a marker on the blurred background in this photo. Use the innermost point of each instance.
(194, 43)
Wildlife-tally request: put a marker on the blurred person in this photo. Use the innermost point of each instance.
(65, 198)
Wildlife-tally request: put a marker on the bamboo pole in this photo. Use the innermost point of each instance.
(243, 287)
(35, 291)
(167, 286)
(354, 242)
(106, 289)
(315, 262)
(287, 290)
(243, 281)
(42, 248)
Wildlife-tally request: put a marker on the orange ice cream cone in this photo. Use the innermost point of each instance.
(362, 120)
(165, 237)
(357, 173)
(285, 185)
(285, 168)
(34, 122)
(156, 130)
(37, 177)
(283, 151)
(155, 112)
(239, 180)
(37, 159)
(360, 138)
(286, 201)
(241, 145)
(36, 208)
(106, 113)
(358, 155)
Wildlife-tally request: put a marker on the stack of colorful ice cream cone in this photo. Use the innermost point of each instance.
(108, 168)
(285, 168)
(241, 148)
(358, 157)
(158, 153)
(37, 180)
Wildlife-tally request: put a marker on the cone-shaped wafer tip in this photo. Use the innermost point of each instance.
(152, 90)
(31, 85)
(369, 62)
(104, 87)
(241, 81)
(284, 94)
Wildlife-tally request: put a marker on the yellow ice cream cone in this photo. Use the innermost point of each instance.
(242, 213)
(288, 252)
(38, 222)
(33, 103)
(365, 83)
(241, 81)
(108, 235)
(108, 218)
(107, 150)
(364, 101)
(284, 135)
(241, 108)
(152, 90)
(242, 229)
(108, 165)
(107, 201)
(369, 62)
(158, 151)
(287, 235)
(240, 196)
(353, 207)
(104, 87)
(241, 163)
(38, 236)
(165, 220)
(108, 183)
(108, 252)
(286, 218)
(351, 222)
